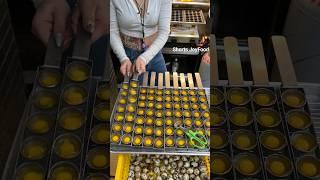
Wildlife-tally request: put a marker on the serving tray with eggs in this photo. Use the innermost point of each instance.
(261, 129)
(155, 116)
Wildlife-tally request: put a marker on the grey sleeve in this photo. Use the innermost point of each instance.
(163, 32)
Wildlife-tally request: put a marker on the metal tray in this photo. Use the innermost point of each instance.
(187, 16)
(89, 144)
(130, 148)
(79, 133)
(14, 158)
(283, 127)
(31, 110)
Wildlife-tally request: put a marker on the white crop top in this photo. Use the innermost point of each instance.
(125, 18)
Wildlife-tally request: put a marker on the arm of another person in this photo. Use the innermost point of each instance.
(163, 32)
(204, 69)
(116, 43)
(115, 40)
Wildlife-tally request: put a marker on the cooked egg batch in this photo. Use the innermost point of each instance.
(57, 119)
(262, 132)
(150, 117)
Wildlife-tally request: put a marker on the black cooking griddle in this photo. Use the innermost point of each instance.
(65, 109)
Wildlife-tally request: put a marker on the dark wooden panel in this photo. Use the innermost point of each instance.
(250, 18)
(12, 96)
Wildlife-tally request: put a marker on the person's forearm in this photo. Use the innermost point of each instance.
(117, 46)
(155, 47)
(115, 40)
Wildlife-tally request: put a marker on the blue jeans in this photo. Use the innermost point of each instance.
(157, 64)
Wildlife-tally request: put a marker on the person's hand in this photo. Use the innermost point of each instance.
(52, 17)
(140, 66)
(125, 68)
(92, 15)
(206, 58)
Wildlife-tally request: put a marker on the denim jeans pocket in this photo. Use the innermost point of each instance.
(132, 54)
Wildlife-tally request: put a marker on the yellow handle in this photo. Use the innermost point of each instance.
(122, 171)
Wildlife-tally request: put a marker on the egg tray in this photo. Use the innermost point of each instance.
(38, 88)
(69, 62)
(49, 137)
(78, 133)
(283, 127)
(189, 16)
(89, 144)
(290, 130)
(30, 112)
(98, 101)
(48, 162)
(228, 128)
(129, 148)
(127, 164)
(52, 60)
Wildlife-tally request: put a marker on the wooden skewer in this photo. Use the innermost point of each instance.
(160, 80)
(145, 79)
(167, 79)
(153, 79)
(190, 80)
(175, 80)
(258, 61)
(233, 61)
(286, 69)
(182, 80)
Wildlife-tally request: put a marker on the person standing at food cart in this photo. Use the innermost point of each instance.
(138, 31)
